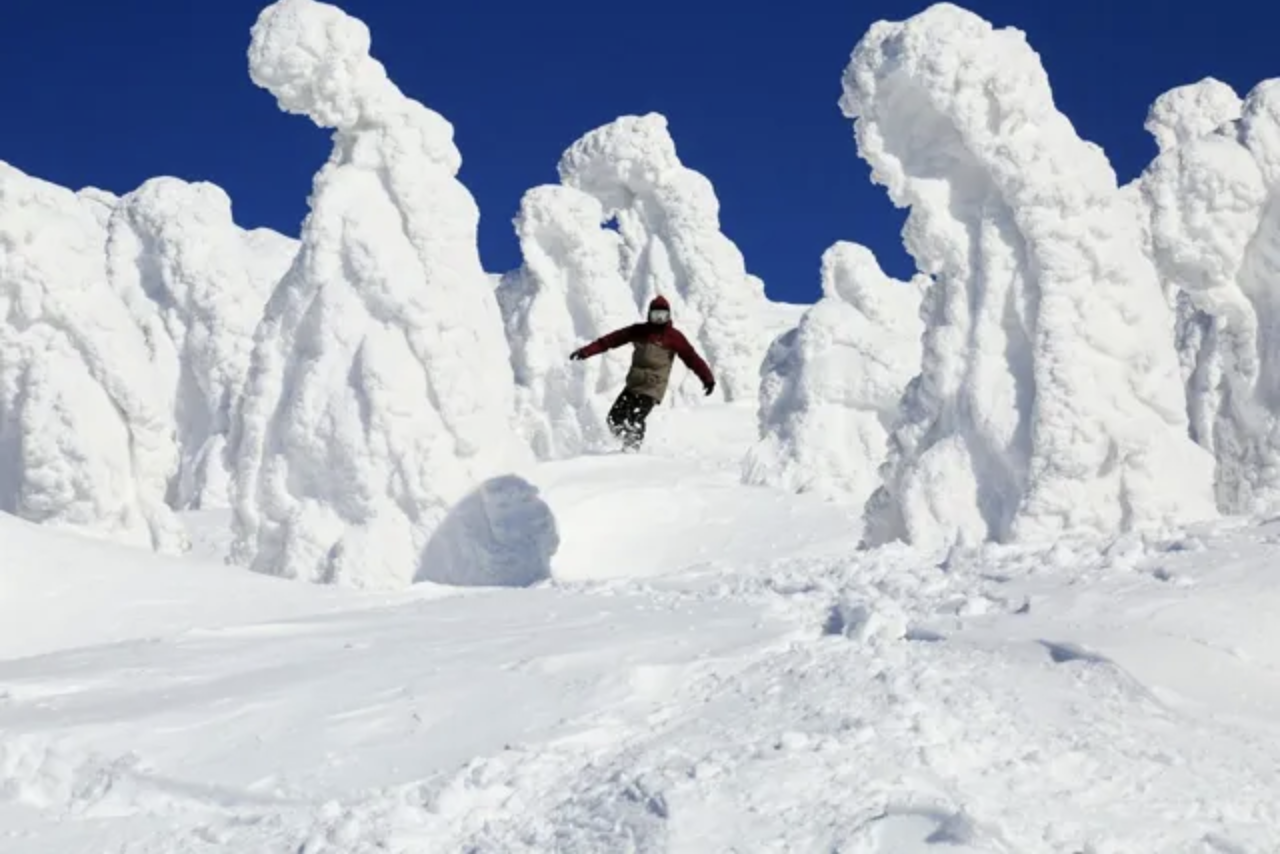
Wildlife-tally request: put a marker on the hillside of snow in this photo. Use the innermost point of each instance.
(320, 545)
(714, 667)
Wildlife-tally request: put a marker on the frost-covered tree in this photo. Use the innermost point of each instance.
(669, 219)
(1213, 196)
(197, 285)
(830, 387)
(86, 433)
(569, 290)
(1050, 399)
(380, 391)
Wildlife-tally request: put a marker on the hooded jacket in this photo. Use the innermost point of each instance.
(655, 348)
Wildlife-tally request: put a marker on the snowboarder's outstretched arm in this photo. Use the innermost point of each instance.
(616, 338)
(692, 360)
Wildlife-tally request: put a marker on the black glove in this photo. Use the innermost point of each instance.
(709, 387)
(576, 356)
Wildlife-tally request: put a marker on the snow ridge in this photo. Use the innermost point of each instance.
(380, 390)
(830, 387)
(1050, 398)
(669, 219)
(569, 290)
(1213, 197)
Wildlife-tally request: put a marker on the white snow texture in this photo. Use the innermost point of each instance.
(830, 387)
(1050, 399)
(196, 285)
(569, 290)
(380, 391)
(669, 219)
(1213, 195)
(86, 438)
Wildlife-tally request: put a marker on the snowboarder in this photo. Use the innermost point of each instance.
(656, 344)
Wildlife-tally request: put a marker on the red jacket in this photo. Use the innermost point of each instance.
(664, 335)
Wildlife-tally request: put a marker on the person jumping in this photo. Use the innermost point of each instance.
(657, 342)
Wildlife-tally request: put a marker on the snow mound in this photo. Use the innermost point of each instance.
(86, 436)
(1212, 196)
(1050, 398)
(197, 285)
(501, 535)
(669, 219)
(569, 290)
(831, 386)
(380, 391)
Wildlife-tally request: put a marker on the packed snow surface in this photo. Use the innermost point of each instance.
(830, 387)
(1050, 398)
(712, 667)
(380, 392)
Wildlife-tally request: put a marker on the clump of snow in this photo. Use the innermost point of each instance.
(1212, 195)
(569, 290)
(669, 219)
(197, 285)
(1190, 112)
(831, 386)
(99, 202)
(503, 534)
(1050, 398)
(380, 391)
(86, 434)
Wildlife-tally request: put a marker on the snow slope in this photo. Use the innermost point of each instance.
(830, 387)
(1050, 399)
(380, 392)
(683, 685)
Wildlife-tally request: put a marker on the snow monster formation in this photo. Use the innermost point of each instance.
(86, 430)
(669, 220)
(380, 393)
(1213, 197)
(1050, 399)
(830, 387)
(196, 285)
(569, 290)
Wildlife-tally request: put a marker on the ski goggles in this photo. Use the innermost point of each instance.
(659, 315)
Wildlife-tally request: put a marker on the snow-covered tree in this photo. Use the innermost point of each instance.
(569, 290)
(669, 219)
(830, 387)
(380, 391)
(1213, 195)
(197, 285)
(86, 432)
(1050, 398)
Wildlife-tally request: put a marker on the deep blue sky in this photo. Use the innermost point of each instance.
(112, 93)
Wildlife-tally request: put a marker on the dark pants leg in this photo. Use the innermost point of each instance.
(627, 417)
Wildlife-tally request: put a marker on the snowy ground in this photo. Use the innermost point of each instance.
(713, 669)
